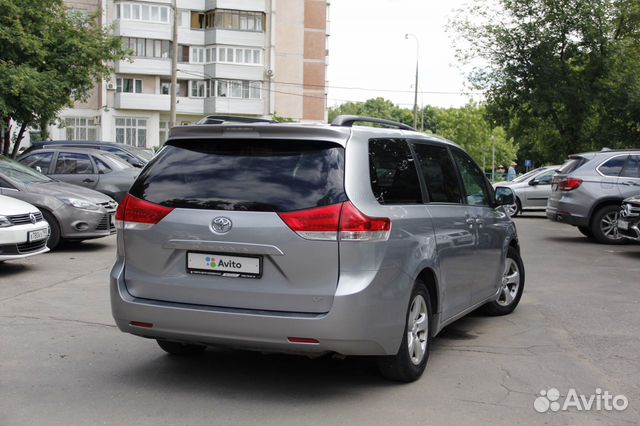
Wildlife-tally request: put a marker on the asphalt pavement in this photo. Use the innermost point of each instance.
(63, 362)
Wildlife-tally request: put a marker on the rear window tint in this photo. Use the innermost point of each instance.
(244, 175)
(571, 165)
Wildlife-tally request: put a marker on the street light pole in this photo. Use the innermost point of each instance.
(174, 67)
(415, 99)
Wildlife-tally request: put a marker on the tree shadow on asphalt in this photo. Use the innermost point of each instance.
(578, 239)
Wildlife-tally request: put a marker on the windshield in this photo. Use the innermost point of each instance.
(23, 174)
(528, 174)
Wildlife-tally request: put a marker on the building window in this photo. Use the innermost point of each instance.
(164, 132)
(239, 89)
(131, 131)
(183, 53)
(239, 20)
(200, 88)
(147, 47)
(238, 55)
(143, 12)
(81, 128)
(128, 85)
(197, 55)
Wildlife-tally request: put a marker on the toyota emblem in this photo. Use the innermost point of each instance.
(221, 225)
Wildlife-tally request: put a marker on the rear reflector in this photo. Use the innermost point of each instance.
(337, 220)
(141, 324)
(303, 340)
(569, 184)
(134, 213)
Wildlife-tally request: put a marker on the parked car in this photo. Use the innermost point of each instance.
(135, 156)
(93, 169)
(589, 188)
(74, 213)
(532, 190)
(629, 219)
(23, 230)
(312, 240)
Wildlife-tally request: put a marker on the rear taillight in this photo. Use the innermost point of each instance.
(356, 226)
(315, 224)
(569, 184)
(134, 213)
(342, 221)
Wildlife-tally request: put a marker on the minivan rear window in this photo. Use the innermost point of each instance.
(244, 175)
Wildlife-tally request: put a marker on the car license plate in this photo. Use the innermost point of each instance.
(224, 265)
(623, 224)
(38, 235)
(112, 220)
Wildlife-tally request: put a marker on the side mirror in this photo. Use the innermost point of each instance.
(505, 196)
(533, 182)
(135, 162)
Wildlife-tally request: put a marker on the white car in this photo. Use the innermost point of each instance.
(23, 230)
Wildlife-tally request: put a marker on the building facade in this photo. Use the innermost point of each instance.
(238, 57)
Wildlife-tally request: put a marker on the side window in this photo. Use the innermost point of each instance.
(632, 167)
(545, 178)
(39, 161)
(475, 187)
(394, 178)
(69, 163)
(439, 173)
(117, 152)
(5, 184)
(103, 168)
(613, 166)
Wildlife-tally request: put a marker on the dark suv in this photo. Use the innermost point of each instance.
(137, 157)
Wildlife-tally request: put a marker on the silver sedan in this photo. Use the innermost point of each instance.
(532, 190)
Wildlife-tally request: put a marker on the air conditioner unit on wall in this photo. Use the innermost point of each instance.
(110, 86)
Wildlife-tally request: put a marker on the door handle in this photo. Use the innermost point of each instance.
(87, 180)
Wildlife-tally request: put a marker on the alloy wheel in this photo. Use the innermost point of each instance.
(609, 225)
(417, 329)
(510, 283)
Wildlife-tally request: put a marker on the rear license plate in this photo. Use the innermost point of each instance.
(224, 265)
(623, 224)
(112, 220)
(38, 235)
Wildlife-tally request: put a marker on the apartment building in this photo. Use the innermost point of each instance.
(243, 57)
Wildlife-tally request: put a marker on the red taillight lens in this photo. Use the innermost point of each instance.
(134, 211)
(315, 224)
(355, 225)
(343, 220)
(569, 184)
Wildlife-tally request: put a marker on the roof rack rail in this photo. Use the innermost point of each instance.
(349, 120)
(219, 119)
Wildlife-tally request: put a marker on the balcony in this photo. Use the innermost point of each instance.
(234, 106)
(234, 37)
(252, 5)
(235, 72)
(140, 29)
(145, 66)
(153, 102)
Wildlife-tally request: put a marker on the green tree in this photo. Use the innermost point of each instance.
(561, 75)
(377, 108)
(50, 57)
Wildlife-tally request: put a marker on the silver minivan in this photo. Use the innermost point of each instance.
(312, 239)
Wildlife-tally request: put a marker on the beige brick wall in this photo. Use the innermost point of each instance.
(315, 45)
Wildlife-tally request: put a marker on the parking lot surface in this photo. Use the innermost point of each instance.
(63, 362)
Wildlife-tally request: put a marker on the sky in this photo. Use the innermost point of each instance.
(368, 50)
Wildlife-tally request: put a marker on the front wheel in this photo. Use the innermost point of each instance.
(411, 360)
(514, 209)
(54, 233)
(511, 287)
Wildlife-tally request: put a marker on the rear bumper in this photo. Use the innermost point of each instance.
(361, 322)
(562, 213)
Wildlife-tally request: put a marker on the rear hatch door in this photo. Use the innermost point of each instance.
(222, 242)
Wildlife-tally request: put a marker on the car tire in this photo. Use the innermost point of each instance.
(586, 231)
(514, 209)
(54, 235)
(511, 288)
(409, 364)
(180, 349)
(603, 225)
